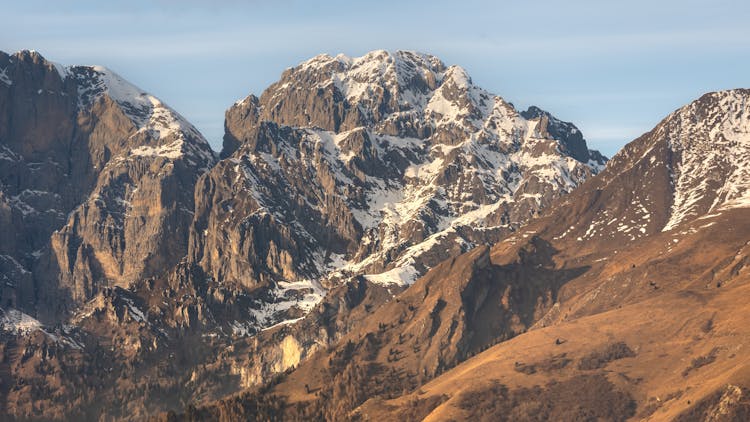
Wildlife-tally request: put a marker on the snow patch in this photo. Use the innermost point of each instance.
(61, 70)
(18, 322)
(714, 155)
(134, 311)
(402, 276)
(4, 76)
(173, 150)
(303, 295)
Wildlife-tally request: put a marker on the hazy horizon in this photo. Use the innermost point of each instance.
(613, 70)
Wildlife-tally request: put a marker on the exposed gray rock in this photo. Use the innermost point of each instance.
(337, 188)
(97, 181)
(382, 166)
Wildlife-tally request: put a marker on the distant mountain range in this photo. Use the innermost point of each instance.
(379, 238)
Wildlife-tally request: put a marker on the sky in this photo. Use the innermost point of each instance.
(614, 68)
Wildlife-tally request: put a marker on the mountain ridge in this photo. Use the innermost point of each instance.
(110, 140)
(374, 227)
(641, 298)
(398, 127)
(124, 281)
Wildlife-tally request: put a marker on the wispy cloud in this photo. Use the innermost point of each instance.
(576, 46)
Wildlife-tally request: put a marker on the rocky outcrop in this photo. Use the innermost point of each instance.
(571, 139)
(97, 182)
(380, 166)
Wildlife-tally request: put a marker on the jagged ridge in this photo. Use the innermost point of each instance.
(384, 165)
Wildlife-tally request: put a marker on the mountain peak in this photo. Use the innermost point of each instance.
(148, 114)
(87, 145)
(406, 57)
(406, 162)
(32, 57)
(691, 165)
(29, 55)
(571, 138)
(710, 140)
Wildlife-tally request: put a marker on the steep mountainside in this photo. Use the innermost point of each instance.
(632, 289)
(152, 277)
(97, 180)
(380, 166)
(96, 194)
(375, 227)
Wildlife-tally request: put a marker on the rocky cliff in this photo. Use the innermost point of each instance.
(634, 283)
(379, 167)
(159, 271)
(97, 182)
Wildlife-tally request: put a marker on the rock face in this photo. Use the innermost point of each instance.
(154, 271)
(37, 109)
(373, 223)
(97, 182)
(650, 253)
(691, 165)
(380, 167)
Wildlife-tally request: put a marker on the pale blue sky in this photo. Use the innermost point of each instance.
(613, 68)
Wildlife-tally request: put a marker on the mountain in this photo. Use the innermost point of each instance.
(96, 193)
(379, 238)
(347, 180)
(167, 278)
(97, 181)
(379, 167)
(624, 299)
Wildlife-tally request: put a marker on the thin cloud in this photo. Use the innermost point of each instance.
(596, 44)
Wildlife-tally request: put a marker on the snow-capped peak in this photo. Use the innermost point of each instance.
(459, 77)
(147, 112)
(399, 72)
(710, 139)
(428, 151)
